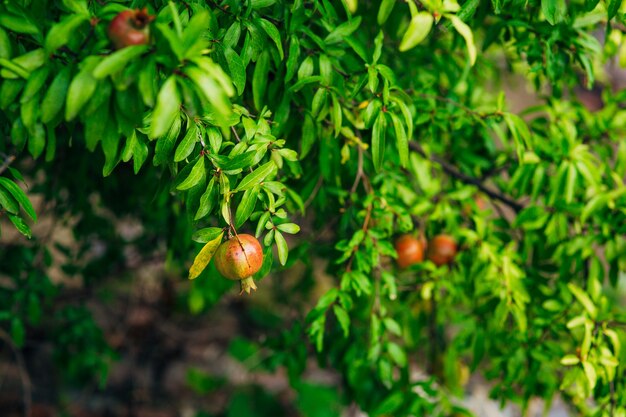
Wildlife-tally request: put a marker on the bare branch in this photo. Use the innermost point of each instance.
(453, 171)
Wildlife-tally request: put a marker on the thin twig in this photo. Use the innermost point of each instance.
(359, 170)
(316, 189)
(8, 161)
(27, 396)
(453, 171)
(235, 132)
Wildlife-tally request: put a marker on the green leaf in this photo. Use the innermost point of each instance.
(392, 326)
(583, 298)
(402, 141)
(206, 235)
(343, 30)
(81, 88)
(259, 79)
(591, 374)
(186, 146)
(281, 246)
(612, 9)
(570, 183)
(8, 203)
(211, 89)
(259, 4)
(167, 108)
(274, 35)
(386, 6)
(554, 10)
(117, 60)
(35, 81)
(207, 200)
(20, 225)
(20, 196)
(596, 203)
(198, 172)
(378, 141)
(19, 24)
(396, 353)
(417, 31)
(343, 318)
(290, 228)
(464, 30)
(237, 69)
(55, 97)
(256, 176)
(246, 206)
(60, 34)
(238, 162)
(569, 360)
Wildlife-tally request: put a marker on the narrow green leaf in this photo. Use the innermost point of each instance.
(246, 206)
(386, 6)
(20, 196)
(343, 30)
(417, 31)
(465, 31)
(256, 176)
(570, 183)
(378, 141)
(342, 318)
(402, 142)
(554, 10)
(397, 354)
(259, 79)
(8, 203)
(206, 235)
(81, 88)
(207, 200)
(273, 33)
(281, 246)
(198, 172)
(118, 60)
(61, 33)
(584, 299)
(290, 228)
(569, 360)
(186, 146)
(237, 69)
(54, 99)
(20, 225)
(167, 108)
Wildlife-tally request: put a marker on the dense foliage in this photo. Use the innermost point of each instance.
(356, 121)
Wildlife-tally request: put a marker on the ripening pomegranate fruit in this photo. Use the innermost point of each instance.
(130, 27)
(410, 250)
(442, 249)
(238, 259)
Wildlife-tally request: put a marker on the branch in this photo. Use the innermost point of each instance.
(453, 171)
(8, 161)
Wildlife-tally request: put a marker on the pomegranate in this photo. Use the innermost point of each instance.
(410, 250)
(442, 249)
(238, 259)
(130, 27)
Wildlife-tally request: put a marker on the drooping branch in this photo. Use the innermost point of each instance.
(454, 172)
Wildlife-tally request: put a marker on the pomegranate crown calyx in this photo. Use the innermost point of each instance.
(141, 18)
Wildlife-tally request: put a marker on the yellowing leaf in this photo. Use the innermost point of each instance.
(204, 257)
(418, 29)
(466, 32)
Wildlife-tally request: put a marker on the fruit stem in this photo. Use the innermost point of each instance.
(247, 284)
